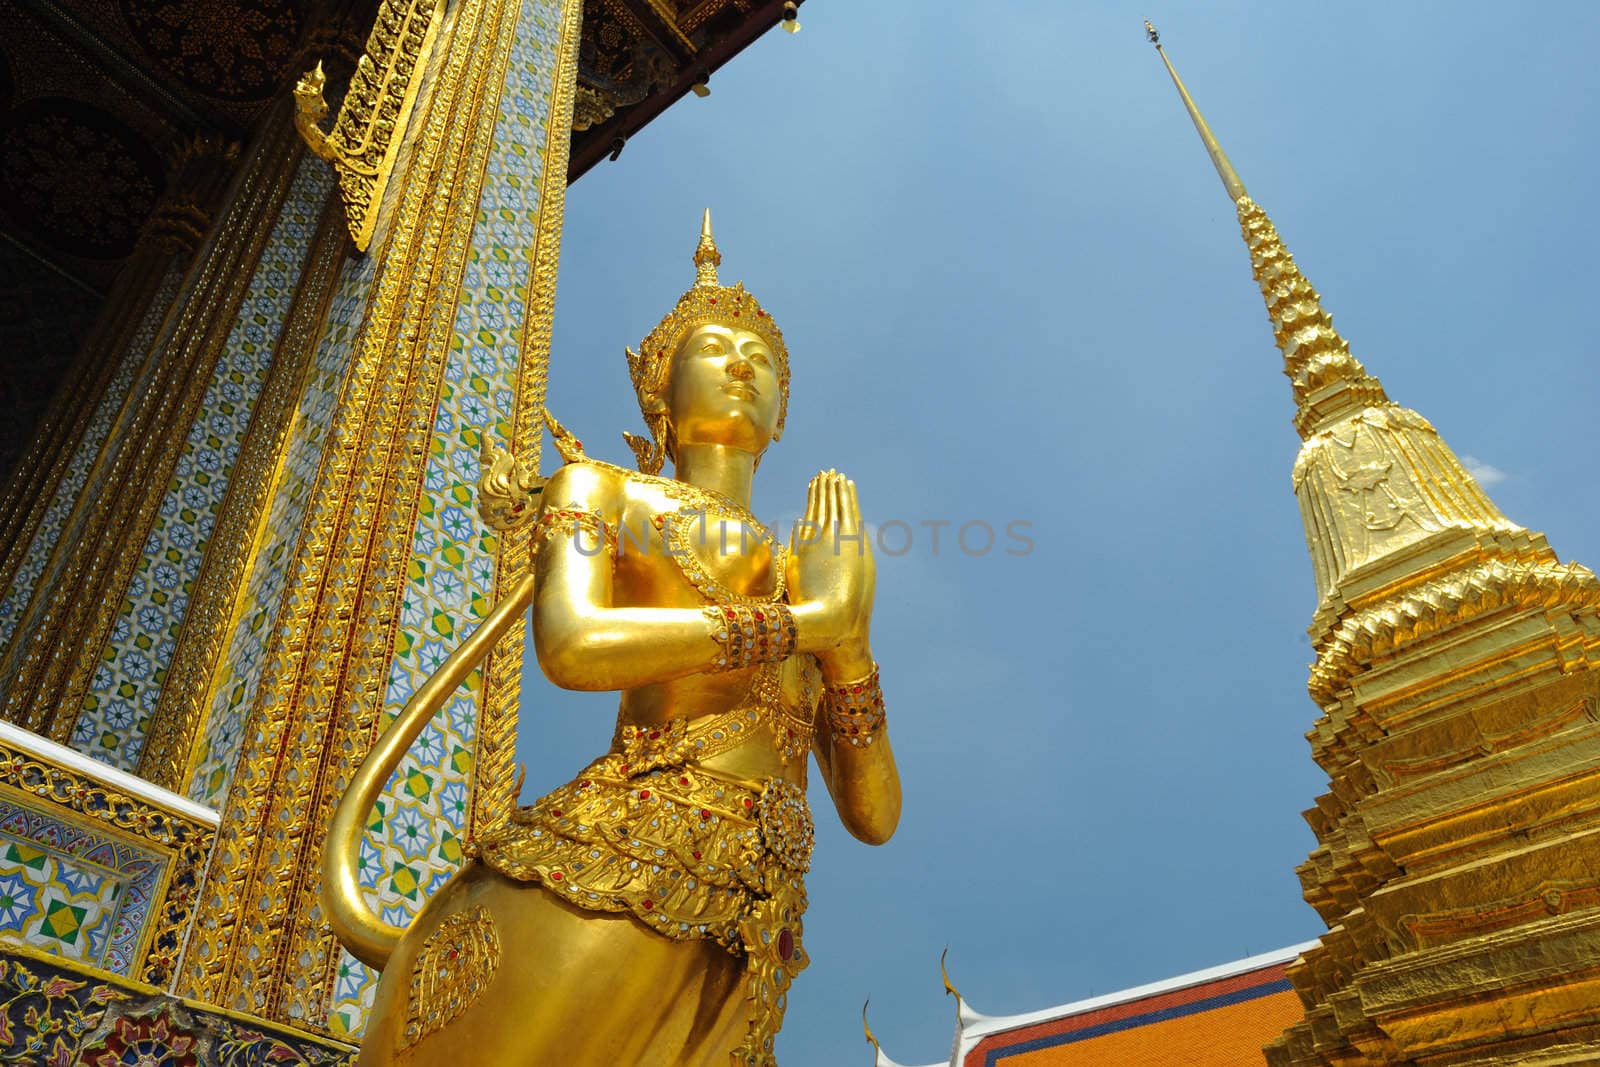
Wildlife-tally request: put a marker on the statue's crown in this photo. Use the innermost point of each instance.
(706, 301)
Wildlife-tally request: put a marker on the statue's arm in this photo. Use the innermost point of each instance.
(582, 639)
(863, 781)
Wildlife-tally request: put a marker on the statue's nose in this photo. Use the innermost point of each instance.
(740, 370)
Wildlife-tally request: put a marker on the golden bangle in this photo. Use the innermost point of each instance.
(749, 634)
(855, 710)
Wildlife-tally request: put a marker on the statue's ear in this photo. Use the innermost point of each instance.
(652, 403)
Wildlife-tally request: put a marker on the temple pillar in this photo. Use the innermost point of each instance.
(42, 490)
(368, 558)
(98, 630)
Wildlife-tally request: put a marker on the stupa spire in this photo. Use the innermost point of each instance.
(1329, 383)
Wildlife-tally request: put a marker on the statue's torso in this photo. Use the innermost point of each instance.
(679, 546)
(695, 821)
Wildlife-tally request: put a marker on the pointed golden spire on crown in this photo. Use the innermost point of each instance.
(706, 301)
(706, 257)
(1329, 382)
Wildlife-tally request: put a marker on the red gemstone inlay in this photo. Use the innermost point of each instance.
(648, 904)
(556, 875)
(704, 814)
(748, 802)
(655, 735)
(683, 781)
(644, 794)
(556, 812)
(786, 944)
(696, 853)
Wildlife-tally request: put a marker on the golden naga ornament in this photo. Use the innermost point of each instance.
(366, 135)
(650, 911)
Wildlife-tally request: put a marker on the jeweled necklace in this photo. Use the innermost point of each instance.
(675, 532)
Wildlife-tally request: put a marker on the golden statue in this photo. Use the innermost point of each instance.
(649, 911)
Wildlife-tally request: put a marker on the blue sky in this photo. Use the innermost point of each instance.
(1013, 289)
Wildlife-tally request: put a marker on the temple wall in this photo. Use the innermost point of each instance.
(96, 867)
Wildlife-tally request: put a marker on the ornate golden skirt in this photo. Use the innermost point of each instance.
(688, 853)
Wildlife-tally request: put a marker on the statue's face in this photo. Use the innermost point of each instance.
(722, 389)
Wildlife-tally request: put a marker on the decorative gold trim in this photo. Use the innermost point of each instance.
(187, 840)
(371, 124)
(189, 689)
(31, 487)
(100, 974)
(139, 299)
(456, 963)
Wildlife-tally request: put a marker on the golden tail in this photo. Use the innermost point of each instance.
(355, 924)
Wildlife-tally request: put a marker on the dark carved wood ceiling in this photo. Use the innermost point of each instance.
(640, 56)
(96, 94)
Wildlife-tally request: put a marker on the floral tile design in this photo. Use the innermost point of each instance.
(54, 1015)
(127, 683)
(70, 890)
(224, 729)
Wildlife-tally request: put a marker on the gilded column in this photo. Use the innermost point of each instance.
(448, 340)
(110, 367)
(1458, 670)
(213, 574)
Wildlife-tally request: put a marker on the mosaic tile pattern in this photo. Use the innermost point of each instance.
(130, 375)
(126, 685)
(415, 841)
(72, 890)
(242, 665)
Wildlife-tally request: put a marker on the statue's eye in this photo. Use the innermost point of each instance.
(711, 348)
(759, 356)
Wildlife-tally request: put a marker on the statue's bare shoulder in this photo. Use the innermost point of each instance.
(588, 486)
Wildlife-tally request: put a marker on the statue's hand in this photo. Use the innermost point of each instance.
(830, 561)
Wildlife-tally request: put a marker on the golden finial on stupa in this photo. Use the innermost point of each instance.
(1328, 381)
(706, 256)
(1219, 159)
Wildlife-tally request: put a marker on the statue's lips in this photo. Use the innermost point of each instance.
(741, 390)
